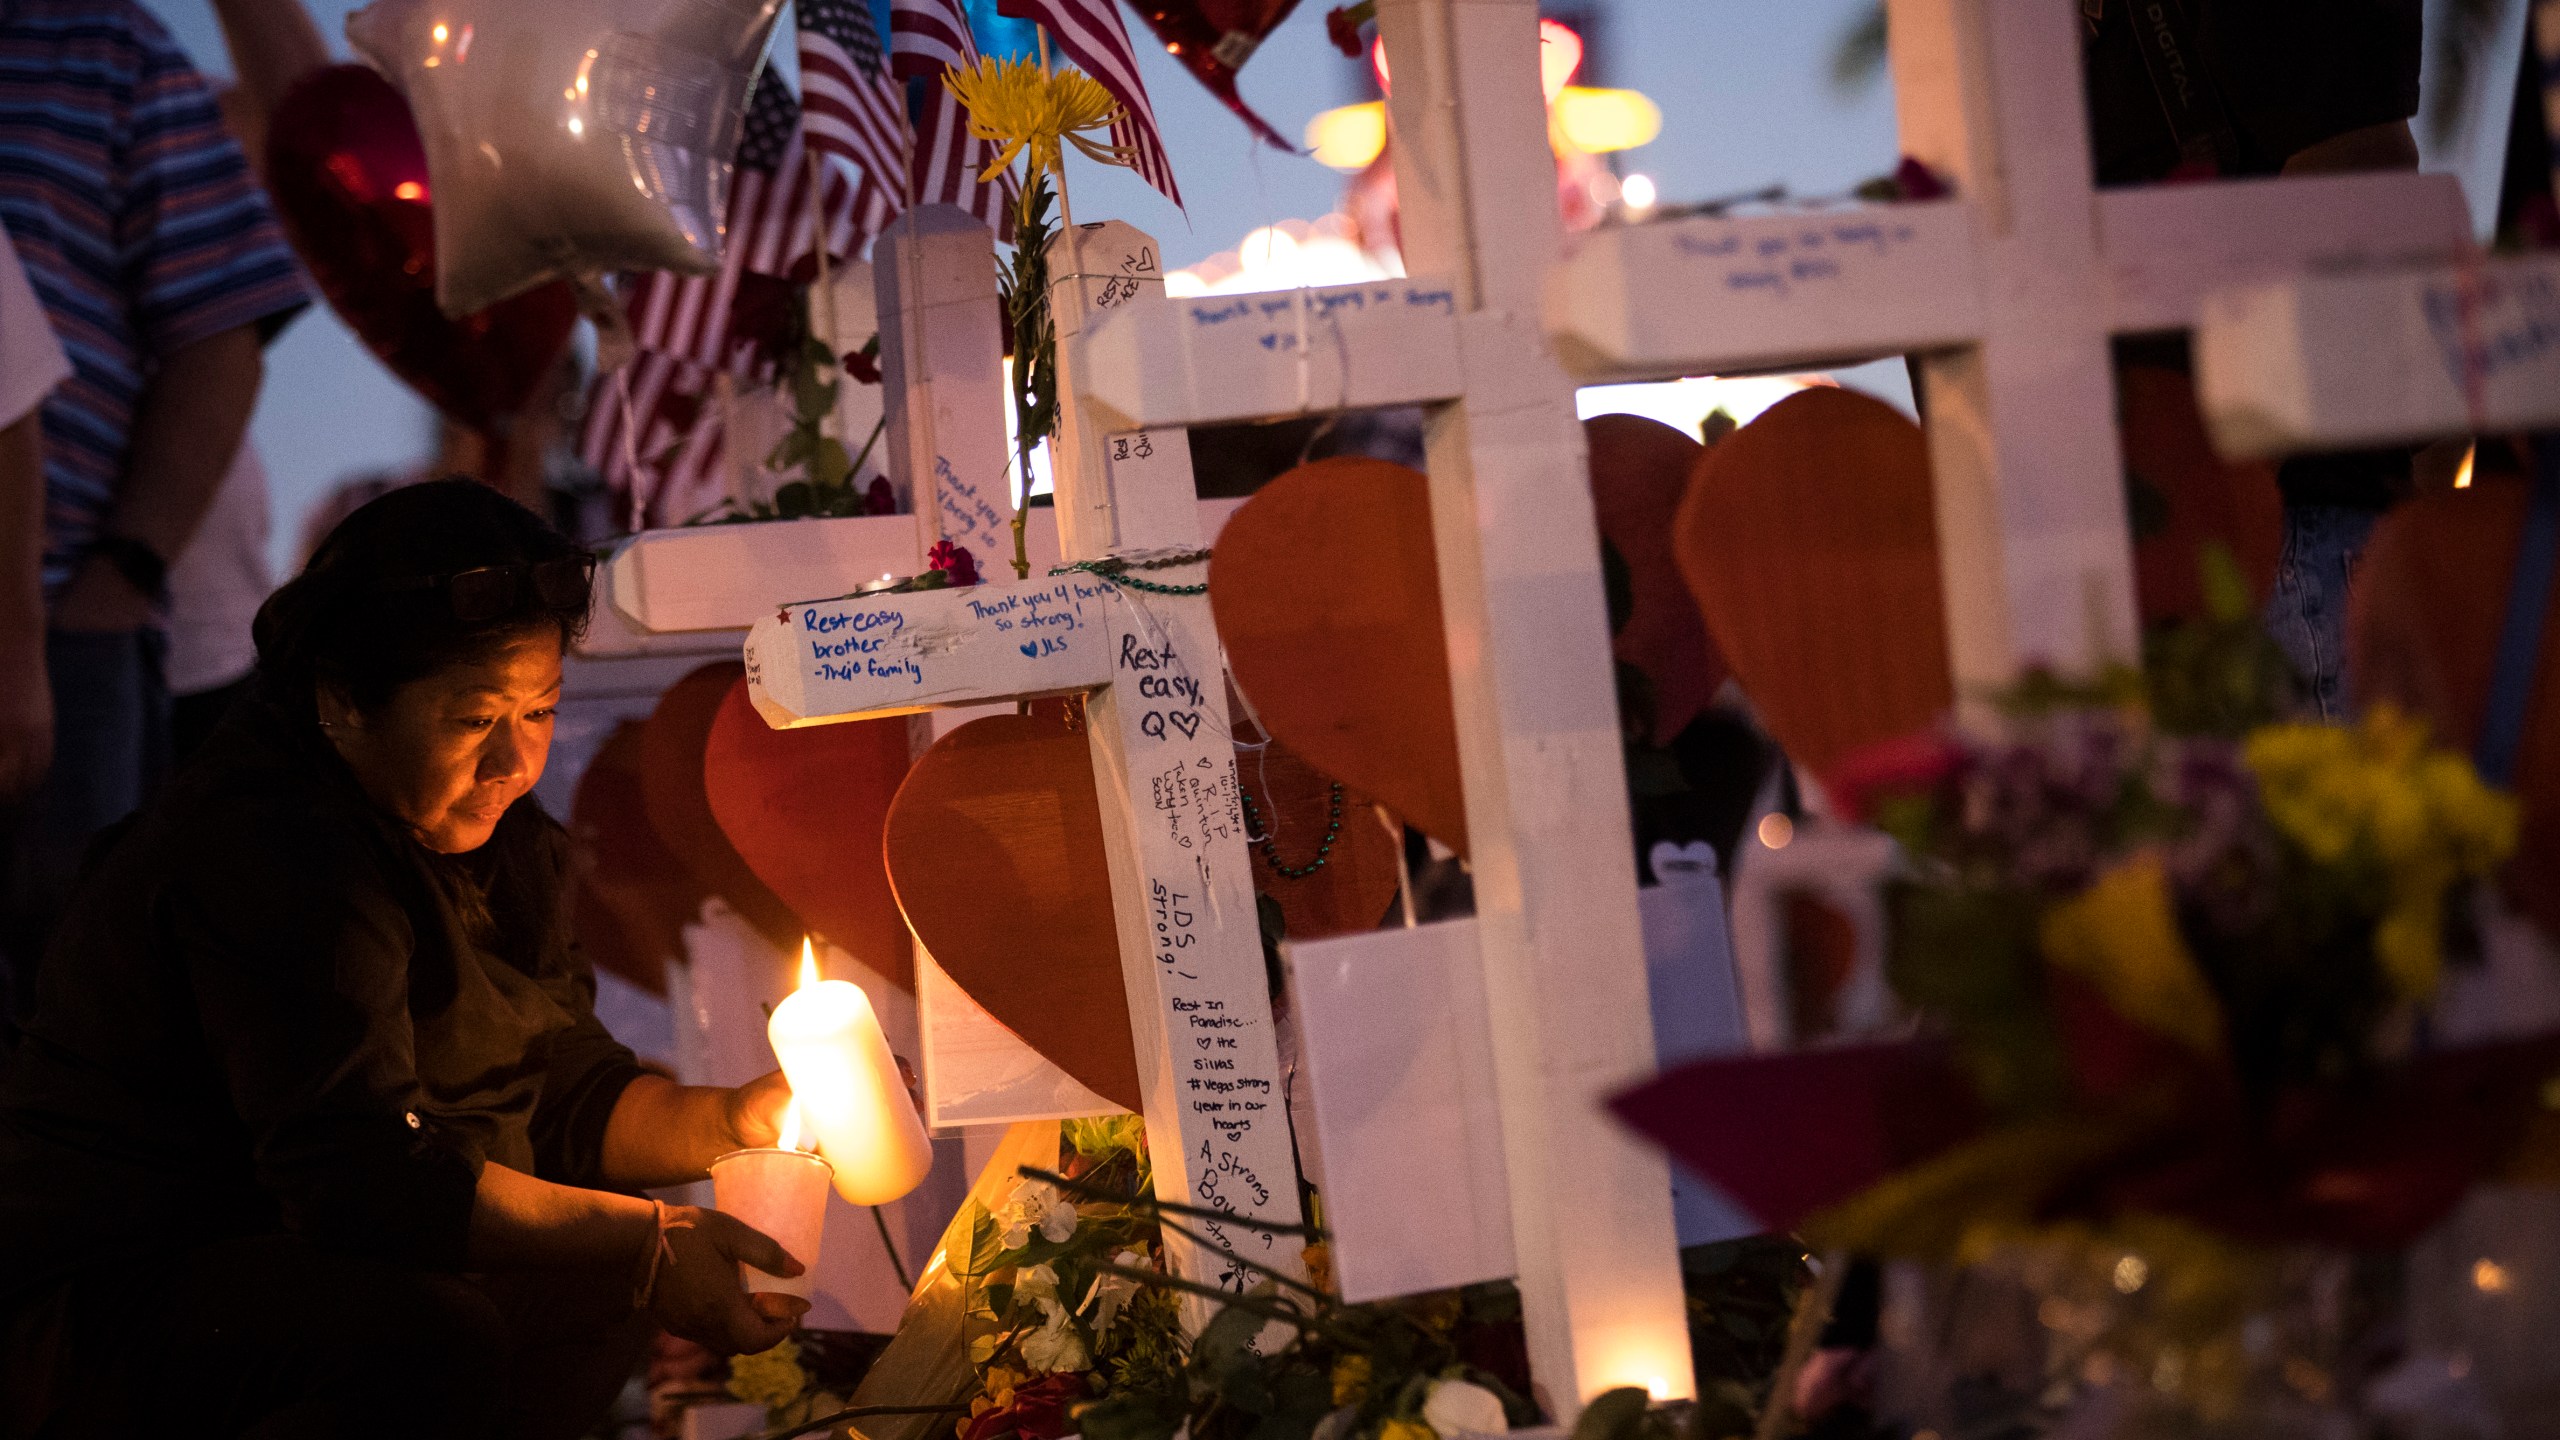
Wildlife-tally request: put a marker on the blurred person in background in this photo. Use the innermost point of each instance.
(31, 365)
(156, 258)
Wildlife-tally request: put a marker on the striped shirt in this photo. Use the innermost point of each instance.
(140, 228)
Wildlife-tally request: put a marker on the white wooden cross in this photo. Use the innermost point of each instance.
(2393, 355)
(2010, 293)
(1150, 669)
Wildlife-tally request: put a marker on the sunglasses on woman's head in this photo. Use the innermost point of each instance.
(491, 591)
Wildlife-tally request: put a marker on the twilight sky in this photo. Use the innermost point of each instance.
(1742, 85)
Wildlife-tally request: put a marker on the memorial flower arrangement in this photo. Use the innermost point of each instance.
(2174, 955)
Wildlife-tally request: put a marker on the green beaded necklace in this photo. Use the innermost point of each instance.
(1271, 847)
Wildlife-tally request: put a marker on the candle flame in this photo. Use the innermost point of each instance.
(809, 976)
(790, 1137)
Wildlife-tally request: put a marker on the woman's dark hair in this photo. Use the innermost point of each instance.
(375, 609)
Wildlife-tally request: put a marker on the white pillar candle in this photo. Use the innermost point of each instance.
(847, 1086)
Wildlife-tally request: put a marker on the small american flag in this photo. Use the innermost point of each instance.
(925, 38)
(1093, 37)
(654, 431)
(652, 428)
(854, 107)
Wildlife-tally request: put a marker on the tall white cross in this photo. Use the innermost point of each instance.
(1143, 652)
(2010, 293)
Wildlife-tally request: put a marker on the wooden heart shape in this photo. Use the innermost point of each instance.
(1640, 469)
(806, 809)
(1327, 597)
(1293, 805)
(630, 895)
(671, 750)
(2192, 498)
(994, 848)
(2431, 601)
(1810, 542)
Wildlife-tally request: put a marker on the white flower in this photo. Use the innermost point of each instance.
(1457, 1407)
(1035, 1205)
(1057, 1344)
(1110, 1292)
(1037, 1283)
(1055, 1347)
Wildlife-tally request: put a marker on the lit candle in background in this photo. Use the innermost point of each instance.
(781, 1191)
(847, 1085)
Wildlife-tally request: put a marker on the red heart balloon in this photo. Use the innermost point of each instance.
(806, 810)
(349, 178)
(1213, 39)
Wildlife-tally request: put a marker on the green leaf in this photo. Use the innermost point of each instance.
(792, 450)
(813, 392)
(1225, 1346)
(795, 500)
(829, 465)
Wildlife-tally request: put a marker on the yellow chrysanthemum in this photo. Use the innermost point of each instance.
(2406, 821)
(771, 1378)
(1351, 1376)
(1016, 106)
(1407, 1430)
(2121, 936)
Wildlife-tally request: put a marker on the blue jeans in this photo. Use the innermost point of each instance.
(110, 750)
(2307, 614)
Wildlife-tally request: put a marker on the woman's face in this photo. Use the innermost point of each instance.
(451, 752)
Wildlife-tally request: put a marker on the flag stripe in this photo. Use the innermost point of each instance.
(927, 37)
(1093, 37)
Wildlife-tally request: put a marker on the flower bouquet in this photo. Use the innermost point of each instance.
(2172, 958)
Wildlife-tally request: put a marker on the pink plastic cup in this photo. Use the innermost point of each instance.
(784, 1194)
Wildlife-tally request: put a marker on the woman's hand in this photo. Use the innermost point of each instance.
(698, 1295)
(754, 1111)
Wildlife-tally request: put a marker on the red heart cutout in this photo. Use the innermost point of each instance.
(806, 810)
(671, 750)
(995, 851)
(2200, 498)
(1294, 805)
(1640, 469)
(349, 178)
(1326, 591)
(632, 895)
(1810, 540)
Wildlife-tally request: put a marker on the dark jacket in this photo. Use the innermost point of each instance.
(269, 1009)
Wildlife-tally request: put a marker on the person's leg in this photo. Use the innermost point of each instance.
(2307, 614)
(275, 1338)
(574, 1342)
(110, 748)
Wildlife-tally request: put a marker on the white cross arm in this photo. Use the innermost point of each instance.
(2329, 362)
(869, 655)
(2166, 247)
(1210, 359)
(1794, 292)
(1704, 295)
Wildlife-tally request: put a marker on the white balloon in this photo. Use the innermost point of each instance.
(565, 138)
